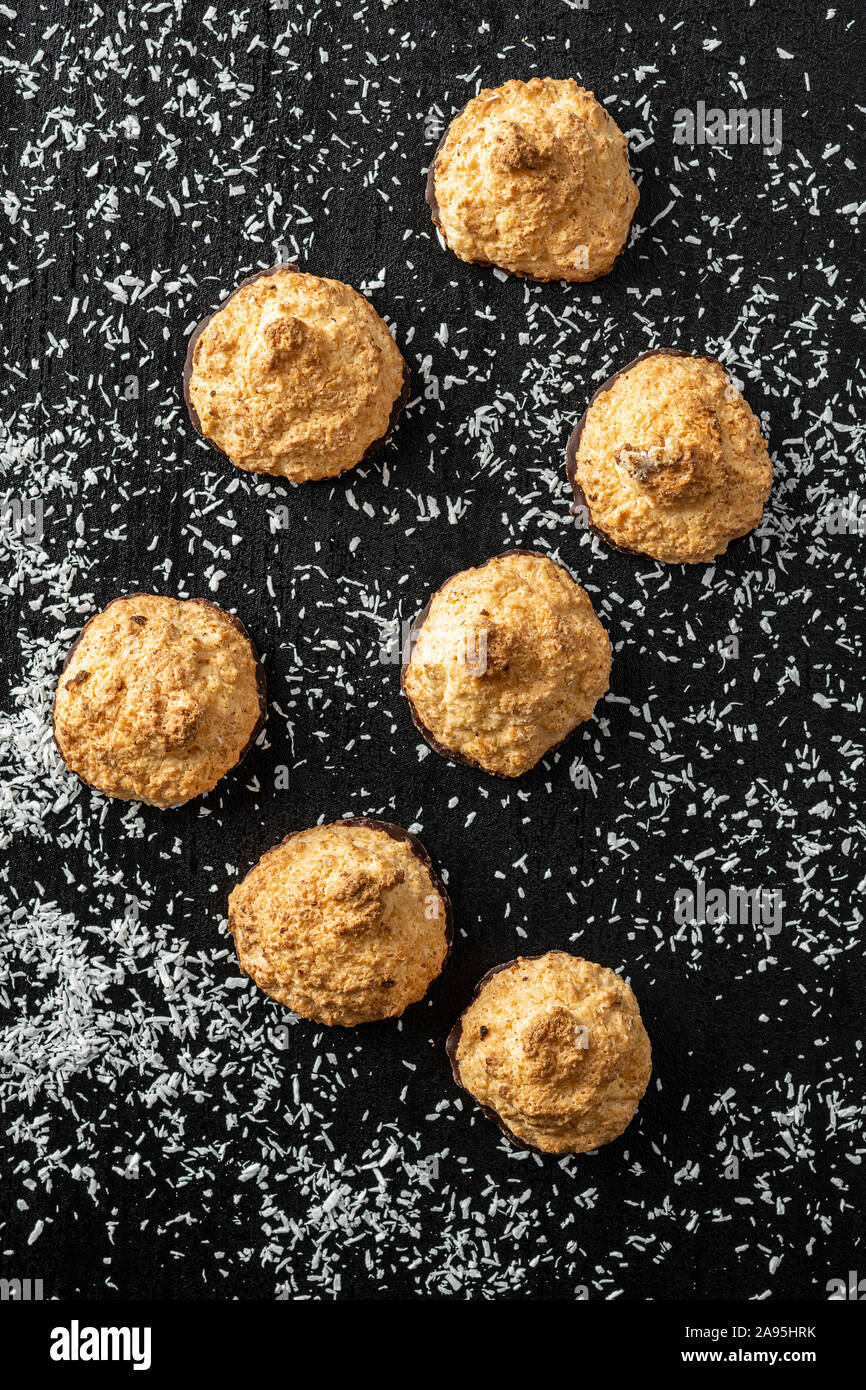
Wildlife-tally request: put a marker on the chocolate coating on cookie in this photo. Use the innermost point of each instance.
(668, 459)
(345, 923)
(533, 177)
(504, 662)
(554, 1051)
(158, 699)
(294, 375)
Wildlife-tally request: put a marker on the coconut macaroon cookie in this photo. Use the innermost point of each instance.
(295, 375)
(343, 923)
(533, 177)
(669, 460)
(159, 698)
(505, 661)
(553, 1049)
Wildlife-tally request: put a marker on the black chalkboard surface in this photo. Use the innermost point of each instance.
(168, 1132)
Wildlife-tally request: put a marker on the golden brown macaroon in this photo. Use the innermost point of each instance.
(668, 459)
(295, 375)
(159, 698)
(554, 1051)
(505, 661)
(533, 177)
(343, 923)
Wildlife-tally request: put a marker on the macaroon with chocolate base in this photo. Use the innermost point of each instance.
(344, 923)
(533, 177)
(294, 375)
(159, 698)
(668, 460)
(504, 662)
(554, 1051)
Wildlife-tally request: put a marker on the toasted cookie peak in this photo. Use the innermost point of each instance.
(533, 177)
(159, 698)
(506, 660)
(554, 1050)
(343, 923)
(669, 460)
(295, 375)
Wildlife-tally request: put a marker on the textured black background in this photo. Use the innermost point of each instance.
(757, 257)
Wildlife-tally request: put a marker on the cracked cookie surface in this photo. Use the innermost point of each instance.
(669, 459)
(344, 923)
(295, 375)
(533, 177)
(506, 661)
(160, 697)
(554, 1049)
